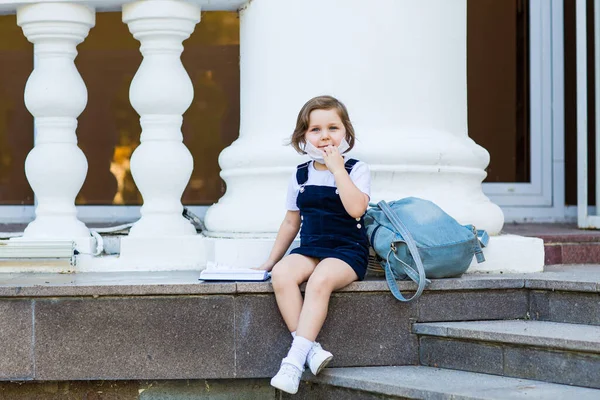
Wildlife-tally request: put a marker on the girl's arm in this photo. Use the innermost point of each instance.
(287, 232)
(355, 202)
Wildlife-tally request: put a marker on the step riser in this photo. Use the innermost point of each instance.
(565, 367)
(569, 307)
(571, 253)
(312, 391)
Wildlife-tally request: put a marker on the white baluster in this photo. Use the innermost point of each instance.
(160, 92)
(56, 95)
(161, 166)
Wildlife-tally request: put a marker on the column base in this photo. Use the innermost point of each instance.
(504, 254)
(511, 254)
(166, 253)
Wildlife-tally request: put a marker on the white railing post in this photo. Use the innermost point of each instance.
(584, 220)
(161, 166)
(55, 95)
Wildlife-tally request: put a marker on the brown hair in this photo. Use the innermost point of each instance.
(320, 103)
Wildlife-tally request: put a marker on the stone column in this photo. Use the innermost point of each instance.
(56, 95)
(161, 166)
(398, 65)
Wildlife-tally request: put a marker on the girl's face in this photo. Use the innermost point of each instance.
(325, 128)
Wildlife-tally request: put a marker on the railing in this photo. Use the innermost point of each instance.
(584, 219)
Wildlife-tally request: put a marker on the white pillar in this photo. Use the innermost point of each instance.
(161, 166)
(56, 95)
(400, 68)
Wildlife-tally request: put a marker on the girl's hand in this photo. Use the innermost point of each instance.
(333, 159)
(266, 266)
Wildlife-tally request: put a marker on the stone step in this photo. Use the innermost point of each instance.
(540, 350)
(418, 382)
(563, 243)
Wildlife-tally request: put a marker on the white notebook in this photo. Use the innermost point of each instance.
(217, 272)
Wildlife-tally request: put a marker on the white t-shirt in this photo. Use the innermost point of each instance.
(360, 176)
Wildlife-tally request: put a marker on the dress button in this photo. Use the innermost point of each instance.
(301, 189)
(358, 219)
(358, 226)
(336, 191)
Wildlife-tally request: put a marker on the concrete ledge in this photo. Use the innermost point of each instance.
(513, 360)
(585, 338)
(433, 383)
(569, 278)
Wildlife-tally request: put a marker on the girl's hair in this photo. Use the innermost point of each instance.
(320, 103)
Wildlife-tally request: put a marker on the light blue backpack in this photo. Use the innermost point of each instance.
(415, 238)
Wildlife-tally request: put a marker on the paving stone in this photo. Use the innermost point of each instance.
(134, 338)
(475, 305)
(464, 356)
(553, 366)
(570, 307)
(16, 339)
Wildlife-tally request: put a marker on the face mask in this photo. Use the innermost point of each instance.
(317, 155)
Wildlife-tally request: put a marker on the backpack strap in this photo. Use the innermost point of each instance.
(417, 276)
(302, 173)
(350, 163)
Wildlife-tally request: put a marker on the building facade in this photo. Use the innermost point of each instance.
(444, 95)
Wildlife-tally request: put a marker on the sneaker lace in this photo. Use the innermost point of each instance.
(314, 349)
(290, 370)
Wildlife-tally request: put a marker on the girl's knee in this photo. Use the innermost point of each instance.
(319, 283)
(280, 275)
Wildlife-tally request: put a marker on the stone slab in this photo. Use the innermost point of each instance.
(370, 329)
(223, 389)
(554, 335)
(434, 384)
(568, 307)
(572, 277)
(580, 253)
(552, 254)
(134, 338)
(79, 390)
(464, 356)
(475, 305)
(109, 284)
(553, 366)
(262, 339)
(16, 340)
(312, 391)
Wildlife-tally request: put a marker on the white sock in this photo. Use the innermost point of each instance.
(299, 351)
(293, 334)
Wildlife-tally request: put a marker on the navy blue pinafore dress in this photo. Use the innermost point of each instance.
(327, 230)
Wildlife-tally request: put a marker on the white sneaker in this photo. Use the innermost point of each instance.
(317, 358)
(288, 378)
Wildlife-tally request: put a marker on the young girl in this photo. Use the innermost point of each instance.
(326, 200)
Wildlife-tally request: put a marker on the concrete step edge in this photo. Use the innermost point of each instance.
(554, 335)
(418, 382)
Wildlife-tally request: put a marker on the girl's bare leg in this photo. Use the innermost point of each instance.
(329, 275)
(286, 277)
